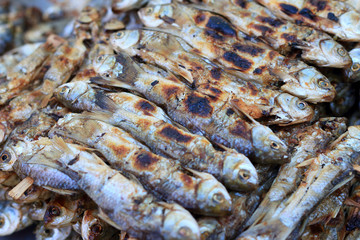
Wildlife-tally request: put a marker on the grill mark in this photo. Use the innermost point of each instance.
(216, 73)
(288, 9)
(198, 105)
(221, 25)
(305, 12)
(332, 17)
(238, 61)
(173, 133)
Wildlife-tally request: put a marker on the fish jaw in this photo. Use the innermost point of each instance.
(179, 224)
(238, 172)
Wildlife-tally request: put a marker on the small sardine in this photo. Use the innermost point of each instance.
(13, 217)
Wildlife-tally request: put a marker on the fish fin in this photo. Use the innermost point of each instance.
(240, 112)
(61, 144)
(351, 202)
(43, 161)
(305, 163)
(224, 147)
(111, 82)
(60, 191)
(44, 102)
(339, 139)
(96, 115)
(104, 102)
(198, 174)
(107, 219)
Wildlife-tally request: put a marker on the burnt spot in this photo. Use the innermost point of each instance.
(145, 107)
(73, 161)
(288, 37)
(186, 179)
(257, 71)
(173, 133)
(199, 18)
(170, 91)
(64, 60)
(119, 150)
(332, 17)
(229, 112)
(253, 89)
(238, 61)
(214, 35)
(145, 161)
(320, 5)
(198, 105)
(288, 9)
(241, 3)
(154, 83)
(252, 50)
(167, 19)
(240, 129)
(220, 25)
(272, 54)
(271, 21)
(298, 22)
(263, 29)
(67, 50)
(216, 73)
(305, 12)
(215, 91)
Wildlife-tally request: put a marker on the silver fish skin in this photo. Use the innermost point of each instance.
(43, 233)
(169, 52)
(131, 112)
(210, 116)
(327, 172)
(353, 72)
(108, 188)
(196, 191)
(13, 217)
(37, 210)
(310, 140)
(126, 5)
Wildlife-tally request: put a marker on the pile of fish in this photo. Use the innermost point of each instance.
(170, 119)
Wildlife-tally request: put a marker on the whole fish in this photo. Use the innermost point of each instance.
(309, 141)
(353, 73)
(63, 211)
(327, 172)
(148, 123)
(334, 17)
(25, 71)
(13, 217)
(196, 191)
(93, 228)
(257, 101)
(43, 233)
(126, 5)
(200, 113)
(212, 36)
(123, 200)
(284, 36)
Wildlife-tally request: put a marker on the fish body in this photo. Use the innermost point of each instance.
(284, 36)
(199, 192)
(166, 51)
(148, 123)
(334, 17)
(212, 36)
(13, 217)
(200, 113)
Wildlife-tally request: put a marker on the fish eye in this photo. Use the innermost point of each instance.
(48, 232)
(96, 228)
(5, 157)
(341, 52)
(218, 198)
(244, 175)
(149, 10)
(301, 105)
(120, 34)
(355, 67)
(64, 89)
(184, 231)
(54, 211)
(100, 58)
(2, 221)
(323, 83)
(274, 145)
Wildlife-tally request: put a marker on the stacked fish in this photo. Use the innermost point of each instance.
(188, 120)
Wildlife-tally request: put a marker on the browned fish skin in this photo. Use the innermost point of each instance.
(201, 114)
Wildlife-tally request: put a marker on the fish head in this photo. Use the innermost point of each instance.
(10, 218)
(154, 16)
(68, 93)
(124, 39)
(268, 147)
(107, 66)
(311, 86)
(91, 226)
(354, 131)
(297, 110)
(49, 234)
(57, 215)
(179, 224)
(208, 226)
(213, 196)
(328, 53)
(350, 24)
(238, 172)
(8, 157)
(353, 72)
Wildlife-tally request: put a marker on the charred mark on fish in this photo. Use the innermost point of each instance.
(288, 9)
(238, 61)
(332, 17)
(220, 25)
(305, 12)
(198, 105)
(145, 107)
(145, 161)
(173, 133)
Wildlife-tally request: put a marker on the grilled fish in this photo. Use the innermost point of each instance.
(13, 217)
